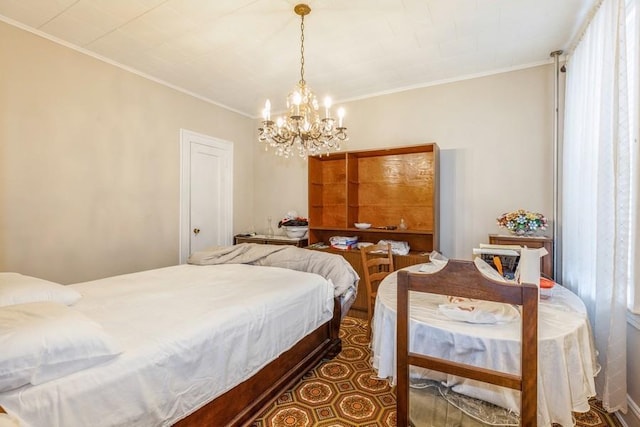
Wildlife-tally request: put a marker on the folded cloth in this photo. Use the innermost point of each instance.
(437, 262)
(397, 247)
(472, 311)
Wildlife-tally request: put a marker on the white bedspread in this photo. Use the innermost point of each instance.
(331, 266)
(189, 334)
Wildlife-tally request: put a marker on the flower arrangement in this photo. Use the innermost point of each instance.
(522, 222)
(295, 226)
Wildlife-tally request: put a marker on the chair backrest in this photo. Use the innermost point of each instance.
(462, 279)
(377, 263)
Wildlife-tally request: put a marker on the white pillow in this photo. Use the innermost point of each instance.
(16, 288)
(42, 341)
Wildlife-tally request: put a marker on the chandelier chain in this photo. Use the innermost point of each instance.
(302, 50)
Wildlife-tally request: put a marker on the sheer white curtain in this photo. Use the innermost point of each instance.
(633, 65)
(597, 231)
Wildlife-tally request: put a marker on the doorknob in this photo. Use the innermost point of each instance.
(196, 230)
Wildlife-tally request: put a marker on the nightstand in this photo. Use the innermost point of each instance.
(270, 240)
(530, 242)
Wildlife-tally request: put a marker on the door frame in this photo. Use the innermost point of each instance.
(186, 138)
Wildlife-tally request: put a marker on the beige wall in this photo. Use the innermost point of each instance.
(495, 135)
(89, 162)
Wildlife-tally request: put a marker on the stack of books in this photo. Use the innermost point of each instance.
(343, 243)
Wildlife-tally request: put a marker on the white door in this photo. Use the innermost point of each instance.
(206, 193)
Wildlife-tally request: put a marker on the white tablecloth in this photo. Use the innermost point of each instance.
(566, 356)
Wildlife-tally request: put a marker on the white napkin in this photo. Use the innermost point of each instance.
(437, 262)
(397, 247)
(473, 311)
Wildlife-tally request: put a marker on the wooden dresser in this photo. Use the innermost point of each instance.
(270, 240)
(380, 187)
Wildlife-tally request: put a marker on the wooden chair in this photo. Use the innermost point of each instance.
(377, 263)
(462, 279)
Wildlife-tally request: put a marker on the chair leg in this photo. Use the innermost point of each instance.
(370, 316)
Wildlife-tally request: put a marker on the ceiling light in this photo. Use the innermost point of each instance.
(305, 129)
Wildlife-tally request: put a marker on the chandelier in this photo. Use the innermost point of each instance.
(302, 130)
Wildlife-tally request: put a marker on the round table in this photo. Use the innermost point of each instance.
(566, 356)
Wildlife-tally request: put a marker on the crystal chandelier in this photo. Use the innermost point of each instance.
(302, 130)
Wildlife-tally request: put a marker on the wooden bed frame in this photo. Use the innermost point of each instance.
(240, 405)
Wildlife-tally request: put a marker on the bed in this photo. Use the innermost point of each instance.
(211, 342)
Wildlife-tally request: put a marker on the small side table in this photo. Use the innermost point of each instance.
(530, 242)
(270, 240)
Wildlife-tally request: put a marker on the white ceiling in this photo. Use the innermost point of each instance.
(237, 53)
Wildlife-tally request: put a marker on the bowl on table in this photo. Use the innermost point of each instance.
(295, 232)
(362, 225)
(546, 283)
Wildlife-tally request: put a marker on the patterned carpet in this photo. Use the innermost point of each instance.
(343, 392)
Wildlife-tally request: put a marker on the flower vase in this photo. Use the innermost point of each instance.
(270, 232)
(522, 223)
